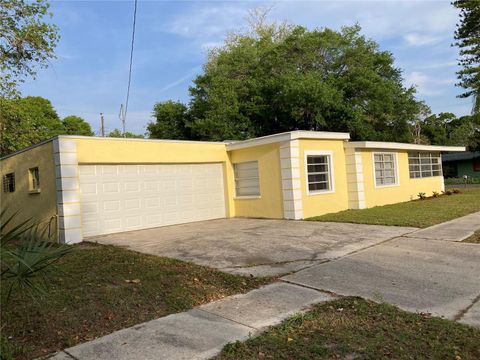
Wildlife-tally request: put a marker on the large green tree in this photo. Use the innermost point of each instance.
(467, 38)
(27, 41)
(171, 121)
(279, 78)
(75, 125)
(32, 119)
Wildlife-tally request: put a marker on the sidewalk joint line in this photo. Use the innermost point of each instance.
(311, 288)
(73, 357)
(224, 317)
(462, 313)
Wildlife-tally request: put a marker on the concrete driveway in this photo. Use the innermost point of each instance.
(255, 246)
(425, 271)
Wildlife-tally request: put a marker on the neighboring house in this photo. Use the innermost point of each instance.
(459, 165)
(97, 186)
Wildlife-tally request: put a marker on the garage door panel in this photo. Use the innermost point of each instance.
(119, 198)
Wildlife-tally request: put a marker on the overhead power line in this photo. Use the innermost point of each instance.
(130, 66)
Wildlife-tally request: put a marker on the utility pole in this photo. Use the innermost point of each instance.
(122, 116)
(102, 126)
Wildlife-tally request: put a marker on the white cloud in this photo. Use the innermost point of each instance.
(416, 39)
(207, 22)
(428, 85)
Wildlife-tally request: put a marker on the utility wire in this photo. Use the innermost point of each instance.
(131, 62)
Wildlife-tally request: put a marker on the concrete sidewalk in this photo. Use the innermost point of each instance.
(454, 230)
(427, 270)
(415, 272)
(202, 332)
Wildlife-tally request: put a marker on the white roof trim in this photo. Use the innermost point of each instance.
(139, 139)
(287, 136)
(401, 146)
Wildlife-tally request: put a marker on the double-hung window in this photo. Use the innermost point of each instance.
(319, 173)
(385, 169)
(424, 164)
(247, 180)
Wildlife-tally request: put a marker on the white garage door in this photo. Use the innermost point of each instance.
(116, 198)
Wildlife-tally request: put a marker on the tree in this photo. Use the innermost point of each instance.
(32, 119)
(75, 125)
(279, 78)
(467, 36)
(447, 129)
(172, 121)
(27, 41)
(27, 121)
(118, 134)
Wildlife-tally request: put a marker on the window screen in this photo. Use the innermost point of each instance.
(385, 172)
(318, 172)
(424, 164)
(247, 181)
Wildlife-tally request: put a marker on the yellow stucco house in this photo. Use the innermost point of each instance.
(86, 186)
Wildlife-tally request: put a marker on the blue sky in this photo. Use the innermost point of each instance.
(173, 37)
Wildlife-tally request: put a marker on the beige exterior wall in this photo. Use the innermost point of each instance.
(270, 202)
(41, 206)
(406, 189)
(328, 202)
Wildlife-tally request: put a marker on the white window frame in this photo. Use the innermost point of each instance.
(331, 176)
(395, 170)
(235, 181)
(420, 171)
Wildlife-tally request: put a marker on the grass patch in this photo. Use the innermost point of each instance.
(474, 239)
(353, 328)
(417, 213)
(100, 289)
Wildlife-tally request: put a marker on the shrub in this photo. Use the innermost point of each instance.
(456, 191)
(435, 194)
(447, 192)
(422, 195)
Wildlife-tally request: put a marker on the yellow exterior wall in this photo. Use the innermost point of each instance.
(407, 189)
(39, 206)
(323, 203)
(270, 202)
(118, 151)
(114, 151)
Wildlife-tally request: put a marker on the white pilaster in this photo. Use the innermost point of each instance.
(355, 179)
(291, 185)
(68, 191)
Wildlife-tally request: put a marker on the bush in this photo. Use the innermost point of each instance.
(435, 194)
(447, 192)
(422, 195)
(456, 191)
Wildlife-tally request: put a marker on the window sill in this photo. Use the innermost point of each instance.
(248, 197)
(386, 186)
(313, 193)
(36, 191)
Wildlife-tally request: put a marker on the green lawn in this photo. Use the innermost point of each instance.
(100, 289)
(353, 328)
(417, 213)
(474, 239)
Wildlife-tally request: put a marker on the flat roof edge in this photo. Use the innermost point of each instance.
(287, 136)
(401, 146)
(139, 139)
